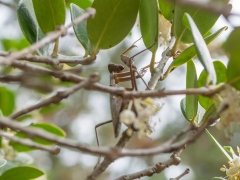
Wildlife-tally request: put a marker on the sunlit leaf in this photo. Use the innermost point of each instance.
(81, 29)
(7, 101)
(190, 52)
(112, 23)
(49, 14)
(202, 50)
(22, 172)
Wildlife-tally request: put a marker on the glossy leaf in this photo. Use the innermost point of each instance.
(112, 23)
(202, 50)
(232, 46)
(50, 128)
(203, 19)
(190, 52)
(220, 70)
(166, 8)
(29, 25)
(49, 14)
(84, 4)
(21, 172)
(191, 100)
(7, 101)
(81, 29)
(218, 145)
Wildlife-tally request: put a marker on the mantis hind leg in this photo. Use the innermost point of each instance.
(96, 134)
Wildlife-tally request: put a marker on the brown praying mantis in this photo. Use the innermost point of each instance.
(117, 104)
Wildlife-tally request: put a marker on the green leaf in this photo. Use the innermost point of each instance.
(190, 52)
(203, 19)
(218, 145)
(7, 101)
(28, 22)
(202, 50)
(220, 70)
(148, 13)
(112, 23)
(2, 162)
(49, 14)
(29, 25)
(81, 29)
(183, 108)
(166, 8)
(50, 128)
(84, 4)
(211, 111)
(191, 100)
(21, 173)
(14, 44)
(232, 46)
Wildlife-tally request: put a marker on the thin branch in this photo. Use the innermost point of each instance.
(28, 81)
(36, 132)
(156, 169)
(120, 91)
(158, 72)
(58, 97)
(50, 37)
(181, 175)
(169, 146)
(215, 8)
(27, 142)
(57, 60)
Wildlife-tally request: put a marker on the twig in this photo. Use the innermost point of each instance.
(50, 37)
(58, 97)
(27, 142)
(28, 81)
(158, 72)
(57, 60)
(156, 169)
(181, 175)
(120, 91)
(36, 132)
(215, 8)
(170, 146)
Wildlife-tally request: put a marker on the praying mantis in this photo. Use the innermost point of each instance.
(117, 104)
